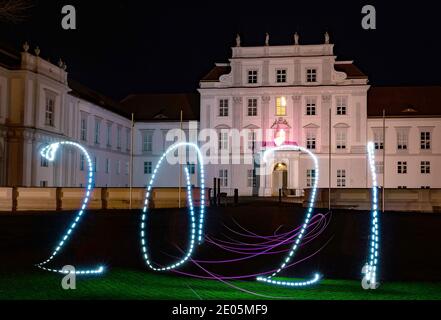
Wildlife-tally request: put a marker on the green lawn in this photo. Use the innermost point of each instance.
(130, 284)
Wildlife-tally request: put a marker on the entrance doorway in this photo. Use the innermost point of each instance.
(280, 178)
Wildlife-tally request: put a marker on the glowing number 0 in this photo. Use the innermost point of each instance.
(195, 227)
(48, 153)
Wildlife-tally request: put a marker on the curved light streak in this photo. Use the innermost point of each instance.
(196, 228)
(317, 277)
(49, 153)
(371, 267)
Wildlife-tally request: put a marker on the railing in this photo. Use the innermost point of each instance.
(65, 199)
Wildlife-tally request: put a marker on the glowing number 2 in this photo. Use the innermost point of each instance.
(48, 153)
(316, 278)
(195, 227)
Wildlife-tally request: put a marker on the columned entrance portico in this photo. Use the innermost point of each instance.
(282, 172)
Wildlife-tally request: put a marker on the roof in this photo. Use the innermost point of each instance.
(216, 73)
(404, 101)
(163, 107)
(82, 92)
(351, 70)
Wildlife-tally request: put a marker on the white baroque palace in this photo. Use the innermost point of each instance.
(326, 106)
(300, 93)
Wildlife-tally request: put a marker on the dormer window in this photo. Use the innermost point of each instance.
(311, 75)
(252, 76)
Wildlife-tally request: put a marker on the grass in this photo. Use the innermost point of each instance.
(125, 284)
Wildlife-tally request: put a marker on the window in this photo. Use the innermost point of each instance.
(44, 163)
(128, 139)
(109, 134)
(118, 167)
(191, 168)
(341, 178)
(281, 106)
(252, 107)
(379, 167)
(252, 76)
(43, 184)
(147, 142)
(311, 75)
(126, 171)
(95, 164)
(340, 140)
(310, 140)
(425, 140)
(50, 109)
(97, 131)
(107, 165)
(402, 140)
(223, 177)
(84, 129)
(118, 138)
(251, 178)
(281, 75)
(425, 167)
(402, 167)
(223, 108)
(82, 162)
(251, 140)
(223, 141)
(148, 167)
(310, 177)
(342, 106)
(378, 140)
(311, 106)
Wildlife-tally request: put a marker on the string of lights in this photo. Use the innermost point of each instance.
(316, 278)
(49, 153)
(369, 270)
(196, 228)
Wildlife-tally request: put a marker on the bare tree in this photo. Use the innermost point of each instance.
(14, 10)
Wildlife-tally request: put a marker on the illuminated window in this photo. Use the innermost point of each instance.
(191, 168)
(252, 76)
(281, 106)
(223, 108)
(281, 75)
(311, 75)
(252, 107)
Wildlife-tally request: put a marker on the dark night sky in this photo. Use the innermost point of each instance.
(123, 47)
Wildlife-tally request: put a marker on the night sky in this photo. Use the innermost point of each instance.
(124, 47)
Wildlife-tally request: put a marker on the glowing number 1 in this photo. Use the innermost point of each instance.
(48, 153)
